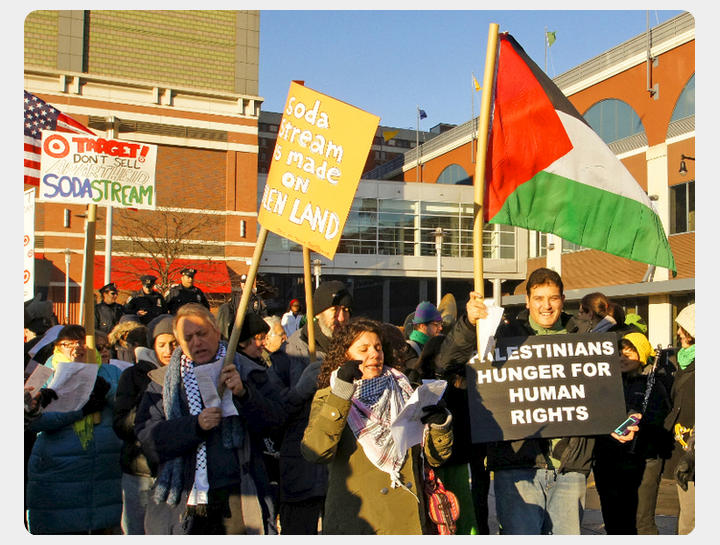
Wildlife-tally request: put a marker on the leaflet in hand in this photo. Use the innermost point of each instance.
(407, 429)
(73, 382)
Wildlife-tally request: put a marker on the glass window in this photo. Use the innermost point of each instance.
(682, 208)
(613, 120)
(685, 106)
(454, 174)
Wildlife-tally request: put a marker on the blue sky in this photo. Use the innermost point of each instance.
(391, 62)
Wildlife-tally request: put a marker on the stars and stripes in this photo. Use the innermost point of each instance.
(41, 116)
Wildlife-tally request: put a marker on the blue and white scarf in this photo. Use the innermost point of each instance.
(180, 375)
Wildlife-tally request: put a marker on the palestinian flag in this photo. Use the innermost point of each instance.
(547, 170)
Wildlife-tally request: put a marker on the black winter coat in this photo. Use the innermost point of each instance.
(130, 390)
(682, 397)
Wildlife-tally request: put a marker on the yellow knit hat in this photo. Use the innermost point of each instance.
(642, 345)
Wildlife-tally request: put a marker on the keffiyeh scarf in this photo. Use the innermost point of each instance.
(374, 406)
(180, 375)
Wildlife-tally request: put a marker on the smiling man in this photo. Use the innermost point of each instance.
(540, 483)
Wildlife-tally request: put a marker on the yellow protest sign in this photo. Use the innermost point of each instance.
(322, 146)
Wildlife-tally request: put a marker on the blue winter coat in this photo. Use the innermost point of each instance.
(71, 489)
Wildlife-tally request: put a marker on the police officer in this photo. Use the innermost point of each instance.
(185, 292)
(108, 310)
(148, 303)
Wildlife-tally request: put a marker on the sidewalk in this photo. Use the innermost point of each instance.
(592, 524)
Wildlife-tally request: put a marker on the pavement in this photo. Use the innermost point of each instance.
(592, 524)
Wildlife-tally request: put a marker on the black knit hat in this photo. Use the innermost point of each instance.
(252, 325)
(330, 294)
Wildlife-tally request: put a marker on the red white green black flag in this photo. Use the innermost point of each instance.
(547, 170)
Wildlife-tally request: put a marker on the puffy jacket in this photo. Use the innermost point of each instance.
(71, 489)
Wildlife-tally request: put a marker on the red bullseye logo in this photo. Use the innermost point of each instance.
(56, 146)
(27, 276)
(26, 240)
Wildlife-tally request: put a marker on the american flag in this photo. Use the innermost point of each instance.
(38, 116)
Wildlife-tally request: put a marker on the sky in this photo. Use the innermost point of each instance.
(391, 62)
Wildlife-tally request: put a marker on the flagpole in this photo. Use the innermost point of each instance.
(417, 146)
(479, 179)
(472, 118)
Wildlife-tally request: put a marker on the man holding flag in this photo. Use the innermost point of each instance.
(546, 170)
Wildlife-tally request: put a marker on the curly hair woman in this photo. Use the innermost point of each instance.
(372, 488)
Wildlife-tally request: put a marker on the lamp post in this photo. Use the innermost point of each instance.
(317, 267)
(438, 253)
(683, 166)
(67, 285)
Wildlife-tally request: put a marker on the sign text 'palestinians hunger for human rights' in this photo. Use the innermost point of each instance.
(321, 149)
(546, 386)
(84, 169)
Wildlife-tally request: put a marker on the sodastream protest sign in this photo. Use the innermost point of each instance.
(322, 146)
(85, 169)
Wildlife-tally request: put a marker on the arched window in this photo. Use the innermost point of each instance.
(685, 106)
(454, 175)
(613, 120)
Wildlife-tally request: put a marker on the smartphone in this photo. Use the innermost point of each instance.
(622, 429)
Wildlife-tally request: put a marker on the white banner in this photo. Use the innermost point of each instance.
(29, 246)
(86, 169)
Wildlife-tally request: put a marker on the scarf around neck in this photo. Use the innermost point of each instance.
(555, 329)
(419, 337)
(686, 356)
(85, 427)
(170, 479)
(374, 406)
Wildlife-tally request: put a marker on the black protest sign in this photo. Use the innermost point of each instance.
(546, 386)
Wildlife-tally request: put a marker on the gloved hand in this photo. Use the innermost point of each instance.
(46, 395)
(349, 371)
(435, 414)
(306, 386)
(97, 401)
(685, 470)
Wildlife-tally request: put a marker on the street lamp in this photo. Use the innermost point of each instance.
(438, 253)
(683, 166)
(67, 285)
(317, 267)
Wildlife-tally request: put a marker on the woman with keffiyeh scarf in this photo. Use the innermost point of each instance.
(373, 488)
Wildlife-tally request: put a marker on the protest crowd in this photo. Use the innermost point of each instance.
(293, 439)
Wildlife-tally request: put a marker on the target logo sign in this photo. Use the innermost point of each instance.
(56, 146)
(26, 276)
(26, 240)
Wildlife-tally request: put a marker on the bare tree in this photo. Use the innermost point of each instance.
(160, 238)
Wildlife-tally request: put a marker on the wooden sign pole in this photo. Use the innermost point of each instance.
(88, 297)
(245, 299)
(309, 311)
(479, 179)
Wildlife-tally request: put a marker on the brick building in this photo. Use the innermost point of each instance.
(186, 81)
(640, 98)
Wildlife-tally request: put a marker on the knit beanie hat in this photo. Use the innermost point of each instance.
(252, 325)
(330, 294)
(426, 312)
(642, 345)
(157, 326)
(686, 319)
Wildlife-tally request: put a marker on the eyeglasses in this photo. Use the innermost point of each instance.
(102, 347)
(71, 344)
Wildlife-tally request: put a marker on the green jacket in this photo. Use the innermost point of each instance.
(360, 499)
